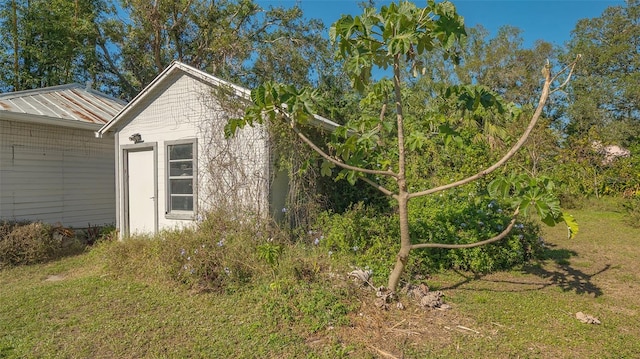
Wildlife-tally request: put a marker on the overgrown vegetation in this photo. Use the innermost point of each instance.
(131, 299)
(455, 217)
(632, 208)
(30, 243)
(27, 243)
(375, 146)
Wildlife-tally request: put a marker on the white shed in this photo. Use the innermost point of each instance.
(173, 161)
(52, 168)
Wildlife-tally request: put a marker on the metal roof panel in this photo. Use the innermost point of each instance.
(69, 102)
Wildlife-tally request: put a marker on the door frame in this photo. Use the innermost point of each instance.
(151, 146)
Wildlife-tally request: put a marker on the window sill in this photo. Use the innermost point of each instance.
(183, 216)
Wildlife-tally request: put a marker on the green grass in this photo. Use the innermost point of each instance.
(120, 300)
(95, 314)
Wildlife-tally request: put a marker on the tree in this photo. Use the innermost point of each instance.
(46, 43)
(502, 64)
(605, 94)
(121, 45)
(233, 39)
(375, 146)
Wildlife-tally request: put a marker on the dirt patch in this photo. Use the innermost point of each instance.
(391, 333)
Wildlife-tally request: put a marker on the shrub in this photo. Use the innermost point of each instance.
(369, 238)
(27, 243)
(94, 234)
(457, 217)
(454, 217)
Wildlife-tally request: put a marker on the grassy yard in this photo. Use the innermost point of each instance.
(94, 306)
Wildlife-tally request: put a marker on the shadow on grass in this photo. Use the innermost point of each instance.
(561, 274)
(564, 276)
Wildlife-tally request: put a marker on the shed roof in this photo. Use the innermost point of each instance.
(177, 66)
(71, 105)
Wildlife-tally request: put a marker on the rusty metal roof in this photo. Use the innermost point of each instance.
(72, 102)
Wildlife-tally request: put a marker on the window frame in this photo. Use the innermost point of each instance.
(177, 214)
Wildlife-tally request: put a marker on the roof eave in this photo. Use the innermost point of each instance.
(46, 120)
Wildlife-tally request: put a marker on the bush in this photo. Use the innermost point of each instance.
(454, 217)
(368, 238)
(28, 243)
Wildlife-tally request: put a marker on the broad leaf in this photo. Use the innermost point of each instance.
(572, 224)
(325, 170)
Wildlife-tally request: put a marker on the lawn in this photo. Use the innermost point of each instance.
(92, 306)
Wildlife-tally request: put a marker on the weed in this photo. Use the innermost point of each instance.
(270, 253)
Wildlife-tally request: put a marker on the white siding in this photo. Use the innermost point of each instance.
(231, 173)
(56, 175)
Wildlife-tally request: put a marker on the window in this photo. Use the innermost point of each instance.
(181, 179)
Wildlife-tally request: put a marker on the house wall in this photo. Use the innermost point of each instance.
(56, 175)
(232, 173)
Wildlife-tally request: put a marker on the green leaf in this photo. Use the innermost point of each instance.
(549, 220)
(258, 96)
(572, 225)
(499, 188)
(325, 170)
(416, 140)
(351, 177)
(449, 135)
(230, 128)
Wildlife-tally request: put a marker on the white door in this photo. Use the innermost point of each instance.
(141, 199)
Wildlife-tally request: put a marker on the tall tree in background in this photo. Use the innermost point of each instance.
(605, 95)
(121, 47)
(503, 64)
(48, 42)
(234, 39)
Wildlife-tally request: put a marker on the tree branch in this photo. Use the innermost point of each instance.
(379, 187)
(571, 66)
(534, 119)
(336, 161)
(111, 64)
(471, 245)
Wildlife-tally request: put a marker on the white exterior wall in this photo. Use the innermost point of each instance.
(56, 175)
(231, 173)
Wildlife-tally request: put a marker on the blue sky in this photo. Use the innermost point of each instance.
(549, 20)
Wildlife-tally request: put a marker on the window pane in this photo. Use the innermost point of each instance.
(181, 177)
(181, 186)
(181, 168)
(181, 152)
(181, 203)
